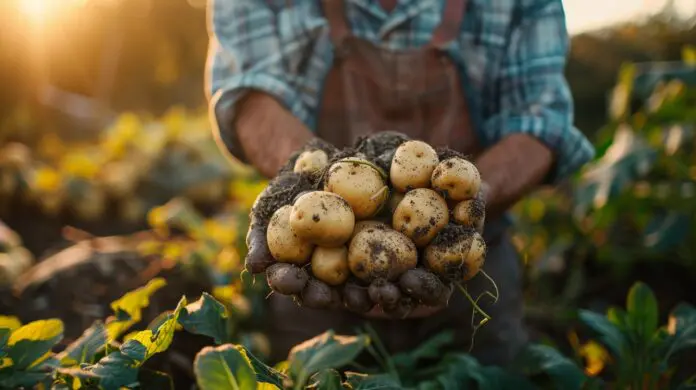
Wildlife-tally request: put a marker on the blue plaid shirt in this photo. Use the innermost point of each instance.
(511, 54)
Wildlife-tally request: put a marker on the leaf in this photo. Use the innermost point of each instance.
(689, 55)
(359, 381)
(682, 327)
(223, 367)
(151, 379)
(565, 373)
(158, 340)
(666, 231)
(19, 379)
(324, 351)
(206, 317)
(116, 370)
(33, 341)
(430, 349)
(609, 334)
(264, 373)
(328, 379)
(129, 307)
(9, 322)
(618, 317)
(641, 306)
(84, 348)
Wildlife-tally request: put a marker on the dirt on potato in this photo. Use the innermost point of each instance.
(447, 153)
(281, 191)
(379, 148)
(313, 144)
(448, 237)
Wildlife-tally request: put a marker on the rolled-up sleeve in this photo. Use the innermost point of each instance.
(532, 92)
(246, 53)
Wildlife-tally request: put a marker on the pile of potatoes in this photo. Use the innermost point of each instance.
(390, 223)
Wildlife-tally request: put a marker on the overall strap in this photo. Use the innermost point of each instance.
(452, 18)
(335, 14)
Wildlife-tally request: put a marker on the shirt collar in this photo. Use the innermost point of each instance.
(403, 12)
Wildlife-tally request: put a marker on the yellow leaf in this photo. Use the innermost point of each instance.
(5, 362)
(174, 121)
(40, 330)
(228, 261)
(47, 179)
(596, 357)
(79, 165)
(221, 234)
(689, 55)
(158, 218)
(9, 322)
(246, 192)
(132, 303)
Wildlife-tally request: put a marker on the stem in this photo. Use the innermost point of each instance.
(473, 302)
(379, 193)
(368, 163)
(495, 286)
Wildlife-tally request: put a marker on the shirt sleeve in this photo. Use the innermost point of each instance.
(248, 51)
(532, 91)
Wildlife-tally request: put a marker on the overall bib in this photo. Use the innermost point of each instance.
(416, 92)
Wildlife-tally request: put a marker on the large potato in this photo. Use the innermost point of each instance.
(362, 225)
(456, 254)
(360, 184)
(311, 161)
(330, 265)
(322, 218)
(412, 166)
(283, 242)
(381, 253)
(457, 179)
(421, 215)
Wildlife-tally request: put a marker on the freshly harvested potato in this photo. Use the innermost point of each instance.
(286, 279)
(258, 257)
(322, 218)
(421, 215)
(394, 200)
(471, 213)
(401, 309)
(284, 243)
(384, 293)
(357, 298)
(362, 225)
(360, 184)
(412, 166)
(424, 286)
(311, 161)
(457, 179)
(330, 265)
(386, 254)
(317, 295)
(456, 254)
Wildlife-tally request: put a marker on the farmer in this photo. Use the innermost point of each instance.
(482, 76)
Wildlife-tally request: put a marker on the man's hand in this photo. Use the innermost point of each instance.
(267, 132)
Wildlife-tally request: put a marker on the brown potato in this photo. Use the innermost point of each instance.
(456, 254)
(387, 254)
(456, 178)
(286, 279)
(283, 242)
(412, 166)
(322, 218)
(421, 215)
(330, 265)
(471, 213)
(360, 184)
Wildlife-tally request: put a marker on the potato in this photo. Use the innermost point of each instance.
(387, 254)
(322, 218)
(356, 298)
(311, 161)
(283, 242)
(394, 200)
(286, 279)
(412, 166)
(258, 257)
(424, 286)
(360, 184)
(362, 225)
(317, 295)
(330, 265)
(401, 309)
(456, 254)
(456, 178)
(471, 213)
(421, 215)
(384, 293)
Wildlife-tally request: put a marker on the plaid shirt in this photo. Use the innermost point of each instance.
(511, 54)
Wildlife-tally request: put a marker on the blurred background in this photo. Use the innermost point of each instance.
(104, 132)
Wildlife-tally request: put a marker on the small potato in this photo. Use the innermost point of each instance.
(283, 242)
(384, 293)
(471, 213)
(316, 295)
(360, 184)
(421, 215)
(286, 279)
(356, 298)
(394, 200)
(387, 254)
(412, 166)
(258, 257)
(311, 161)
(362, 225)
(457, 179)
(322, 218)
(330, 265)
(424, 286)
(401, 309)
(456, 254)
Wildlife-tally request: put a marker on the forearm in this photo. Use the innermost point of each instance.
(267, 132)
(511, 169)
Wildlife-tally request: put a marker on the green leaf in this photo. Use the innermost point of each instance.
(206, 317)
(608, 333)
(430, 349)
(264, 373)
(19, 379)
(223, 367)
(116, 370)
(682, 326)
(666, 231)
(618, 317)
(84, 348)
(128, 308)
(642, 311)
(158, 340)
(324, 351)
(359, 381)
(537, 359)
(4, 336)
(33, 341)
(151, 379)
(328, 379)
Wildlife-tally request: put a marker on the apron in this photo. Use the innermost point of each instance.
(416, 92)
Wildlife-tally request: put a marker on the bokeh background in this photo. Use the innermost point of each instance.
(104, 132)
